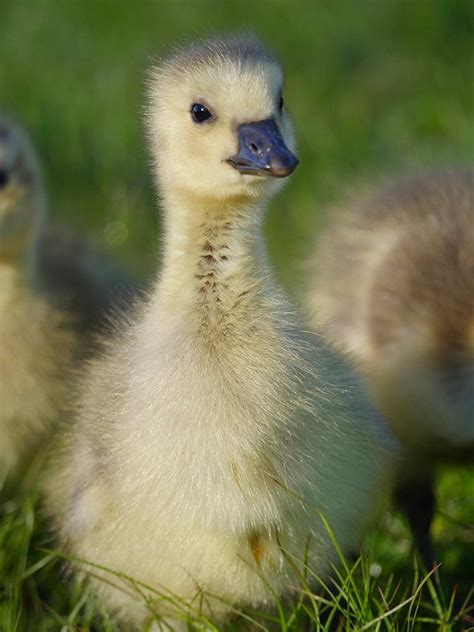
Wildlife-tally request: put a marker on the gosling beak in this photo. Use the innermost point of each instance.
(262, 151)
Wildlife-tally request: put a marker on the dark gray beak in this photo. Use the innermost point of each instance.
(262, 151)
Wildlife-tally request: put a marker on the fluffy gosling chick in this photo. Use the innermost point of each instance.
(213, 430)
(53, 289)
(394, 285)
(36, 340)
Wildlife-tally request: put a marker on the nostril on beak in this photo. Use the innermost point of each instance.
(254, 148)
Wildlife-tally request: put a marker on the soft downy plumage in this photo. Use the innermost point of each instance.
(55, 291)
(392, 283)
(214, 429)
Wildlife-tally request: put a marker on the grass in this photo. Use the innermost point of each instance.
(384, 589)
(375, 87)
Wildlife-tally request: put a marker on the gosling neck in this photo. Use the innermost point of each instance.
(214, 257)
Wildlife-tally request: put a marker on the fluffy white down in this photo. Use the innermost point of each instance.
(214, 429)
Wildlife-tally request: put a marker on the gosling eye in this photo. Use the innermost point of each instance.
(200, 113)
(281, 103)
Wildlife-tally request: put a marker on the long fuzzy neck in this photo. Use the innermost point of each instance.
(214, 268)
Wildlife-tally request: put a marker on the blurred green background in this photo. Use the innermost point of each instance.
(374, 87)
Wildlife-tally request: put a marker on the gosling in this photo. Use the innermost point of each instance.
(214, 432)
(393, 284)
(53, 291)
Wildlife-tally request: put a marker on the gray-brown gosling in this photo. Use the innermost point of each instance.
(52, 288)
(213, 430)
(394, 285)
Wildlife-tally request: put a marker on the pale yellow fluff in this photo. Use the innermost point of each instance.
(214, 428)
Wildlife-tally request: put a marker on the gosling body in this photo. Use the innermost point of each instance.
(394, 286)
(214, 430)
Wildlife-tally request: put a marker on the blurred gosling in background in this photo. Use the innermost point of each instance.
(394, 286)
(214, 429)
(52, 288)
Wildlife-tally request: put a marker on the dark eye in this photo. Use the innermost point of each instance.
(3, 178)
(281, 103)
(200, 113)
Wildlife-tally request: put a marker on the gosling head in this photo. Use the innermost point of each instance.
(217, 121)
(21, 204)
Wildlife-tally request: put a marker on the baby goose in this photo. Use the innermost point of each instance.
(36, 341)
(46, 299)
(213, 430)
(394, 285)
